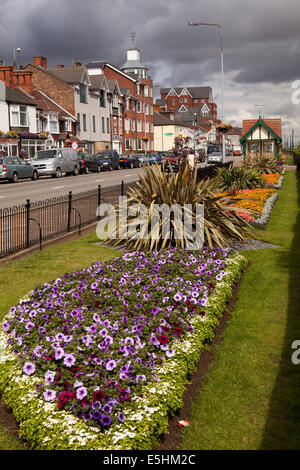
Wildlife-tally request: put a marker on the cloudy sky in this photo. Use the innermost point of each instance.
(261, 45)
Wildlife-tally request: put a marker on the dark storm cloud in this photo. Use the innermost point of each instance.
(261, 38)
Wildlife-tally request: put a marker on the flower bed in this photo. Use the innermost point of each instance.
(272, 180)
(98, 359)
(252, 200)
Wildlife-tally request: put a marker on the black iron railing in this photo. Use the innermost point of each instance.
(34, 222)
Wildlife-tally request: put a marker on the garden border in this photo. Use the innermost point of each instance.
(44, 427)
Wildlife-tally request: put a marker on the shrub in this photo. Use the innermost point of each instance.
(261, 163)
(221, 223)
(239, 178)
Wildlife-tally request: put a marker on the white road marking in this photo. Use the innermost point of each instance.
(58, 187)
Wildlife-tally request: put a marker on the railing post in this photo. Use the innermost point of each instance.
(99, 200)
(122, 188)
(69, 210)
(27, 222)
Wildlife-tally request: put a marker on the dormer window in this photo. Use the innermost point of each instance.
(83, 93)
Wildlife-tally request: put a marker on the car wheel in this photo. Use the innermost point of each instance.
(14, 177)
(98, 169)
(131, 165)
(58, 173)
(86, 170)
(35, 176)
(110, 167)
(75, 171)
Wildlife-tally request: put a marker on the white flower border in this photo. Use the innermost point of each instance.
(267, 210)
(45, 427)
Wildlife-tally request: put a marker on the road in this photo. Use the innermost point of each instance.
(47, 187)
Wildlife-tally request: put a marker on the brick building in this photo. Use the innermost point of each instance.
(189, 100)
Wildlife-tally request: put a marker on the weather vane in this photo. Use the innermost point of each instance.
(132, 35)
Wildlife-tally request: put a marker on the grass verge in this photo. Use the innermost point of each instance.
(250, 399)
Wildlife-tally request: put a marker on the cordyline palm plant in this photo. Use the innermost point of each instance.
(239, 178)
(261, 163)
(185, 196)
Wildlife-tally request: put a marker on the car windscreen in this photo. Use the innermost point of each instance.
(45, 154)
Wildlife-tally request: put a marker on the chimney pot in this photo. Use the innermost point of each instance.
(40, 61)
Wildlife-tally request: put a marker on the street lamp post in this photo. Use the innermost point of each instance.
(222, 74)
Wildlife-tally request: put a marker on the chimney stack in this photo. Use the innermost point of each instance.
(40, 61)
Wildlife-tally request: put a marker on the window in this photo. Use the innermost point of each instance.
(38, 127)
(53, 120)
(139, 144)
(68, 125)
(115, 126)
(127, 124)
(139, 126)
(185, 100)
(18, 116)
(268, 147)
(107, 124)
(78, 124)
(103, 124)
(133, 144)
(102, 99)
(84, 121)
(253, 147)
(147, 126)
(138, 107)
(173, 101)
(32, 146)
(82, 93)
(146, 91)
(146, 108)
(132, 124)
(151, 109)
(120, 126)
(127, 144)
(94, 123)
(151, 126)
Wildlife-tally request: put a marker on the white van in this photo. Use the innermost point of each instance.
(55, 162)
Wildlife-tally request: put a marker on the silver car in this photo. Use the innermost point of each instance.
(215, 157)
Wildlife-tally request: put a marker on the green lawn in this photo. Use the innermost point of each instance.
(19, 277)
(251, 397)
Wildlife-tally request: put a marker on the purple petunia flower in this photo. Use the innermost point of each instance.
(49, 395)
(59, 353)
(111, 365)
(121, 417)
(69, 360)
(106, 408)
(105, 420)
(81, 392)
(29, 368)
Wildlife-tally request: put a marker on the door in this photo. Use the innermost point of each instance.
(24, 170)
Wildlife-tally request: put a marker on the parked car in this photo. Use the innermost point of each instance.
(175, 161)
(130, 161)
(108, 160)
(87, 163)
(215, 157)
(153, 158)
(15, 168)
(142, 158)
(55, 162)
